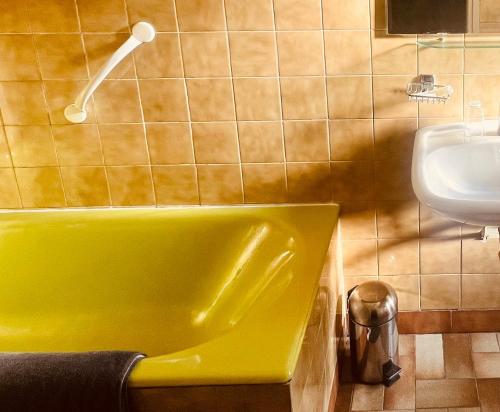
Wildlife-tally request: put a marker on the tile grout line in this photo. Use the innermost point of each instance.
(229, 55)
(47, 109)
(371, 30)
(328, 131)
(87, 67)
(138, 88)
(280, 90)
(188, 106)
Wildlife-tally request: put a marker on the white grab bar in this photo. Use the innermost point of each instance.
(142, 32)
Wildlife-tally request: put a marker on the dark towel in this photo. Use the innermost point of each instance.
(65, 382)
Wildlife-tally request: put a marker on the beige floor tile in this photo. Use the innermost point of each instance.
(444, 393)
(487, 365)
(367, 397)
(489, 394)
(484, 342)
(429, 357)
(401, 395)
(457, 356)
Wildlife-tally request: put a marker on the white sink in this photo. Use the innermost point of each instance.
(459, 177)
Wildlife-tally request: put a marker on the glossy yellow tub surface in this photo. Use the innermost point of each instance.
(217, 295)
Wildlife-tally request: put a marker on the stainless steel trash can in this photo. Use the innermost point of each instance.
(373, 331)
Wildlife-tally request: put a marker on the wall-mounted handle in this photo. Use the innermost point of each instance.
(142, 32)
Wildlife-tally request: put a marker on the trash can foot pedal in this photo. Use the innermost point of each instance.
(392, 373)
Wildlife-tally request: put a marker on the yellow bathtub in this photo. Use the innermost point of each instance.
(215, 295)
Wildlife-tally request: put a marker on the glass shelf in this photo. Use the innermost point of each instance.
(454, 44)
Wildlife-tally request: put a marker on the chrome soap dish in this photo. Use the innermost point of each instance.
(424, 89)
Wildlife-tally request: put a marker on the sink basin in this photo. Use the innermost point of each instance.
(456, 176)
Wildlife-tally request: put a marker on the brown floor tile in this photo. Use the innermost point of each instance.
(489, 394)
(476, 321)
(344, 398)
(429, 357)
(401, 395)
(425, 322)
(484, 342)
(367, 397)
(476, 409)
(487, 365)
(445, 393)
(406, 345)
(457, 356)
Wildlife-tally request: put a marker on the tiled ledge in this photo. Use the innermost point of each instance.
(466, 321)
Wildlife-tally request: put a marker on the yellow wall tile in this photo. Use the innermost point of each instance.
(351, 139)
(353, 181)
(130, 185)
(61, 56)
(257, 99)
(53, 16)
(355, 58)
(398, 257)
(440, 292)
(124, 144)
(261, 142)
(220, 184)
(31, 146)
(200, 15)
(160, 13)
(397, 219)
(309, 182)
(169, 143)
(297, 14)
(253, 53)
(85, 186)
(78, 145)
(14, 16)
(215, 142)
(60, 93)
(306, 141)
(9, 194)
(117, 101)
(350, 97)
(264, 183)
(175, 185)
(480, 291)
(23, 103)
(18, 57)
(160, 58)
(5, 159)
(358, 220)
(393, 54)
(346, 14)
(250, 15)
(98, 48)
(390, 99)
(360, 257)
(40, 187)
(211, 99)
(303, 98)
(407, 288)
(205, 54)
(301, 53)
(164, 100)
(102, 15)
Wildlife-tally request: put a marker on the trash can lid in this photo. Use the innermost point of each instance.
(373, 303)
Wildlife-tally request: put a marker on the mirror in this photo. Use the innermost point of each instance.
(443, 16)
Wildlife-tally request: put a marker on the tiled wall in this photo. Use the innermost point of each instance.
(245, 102)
